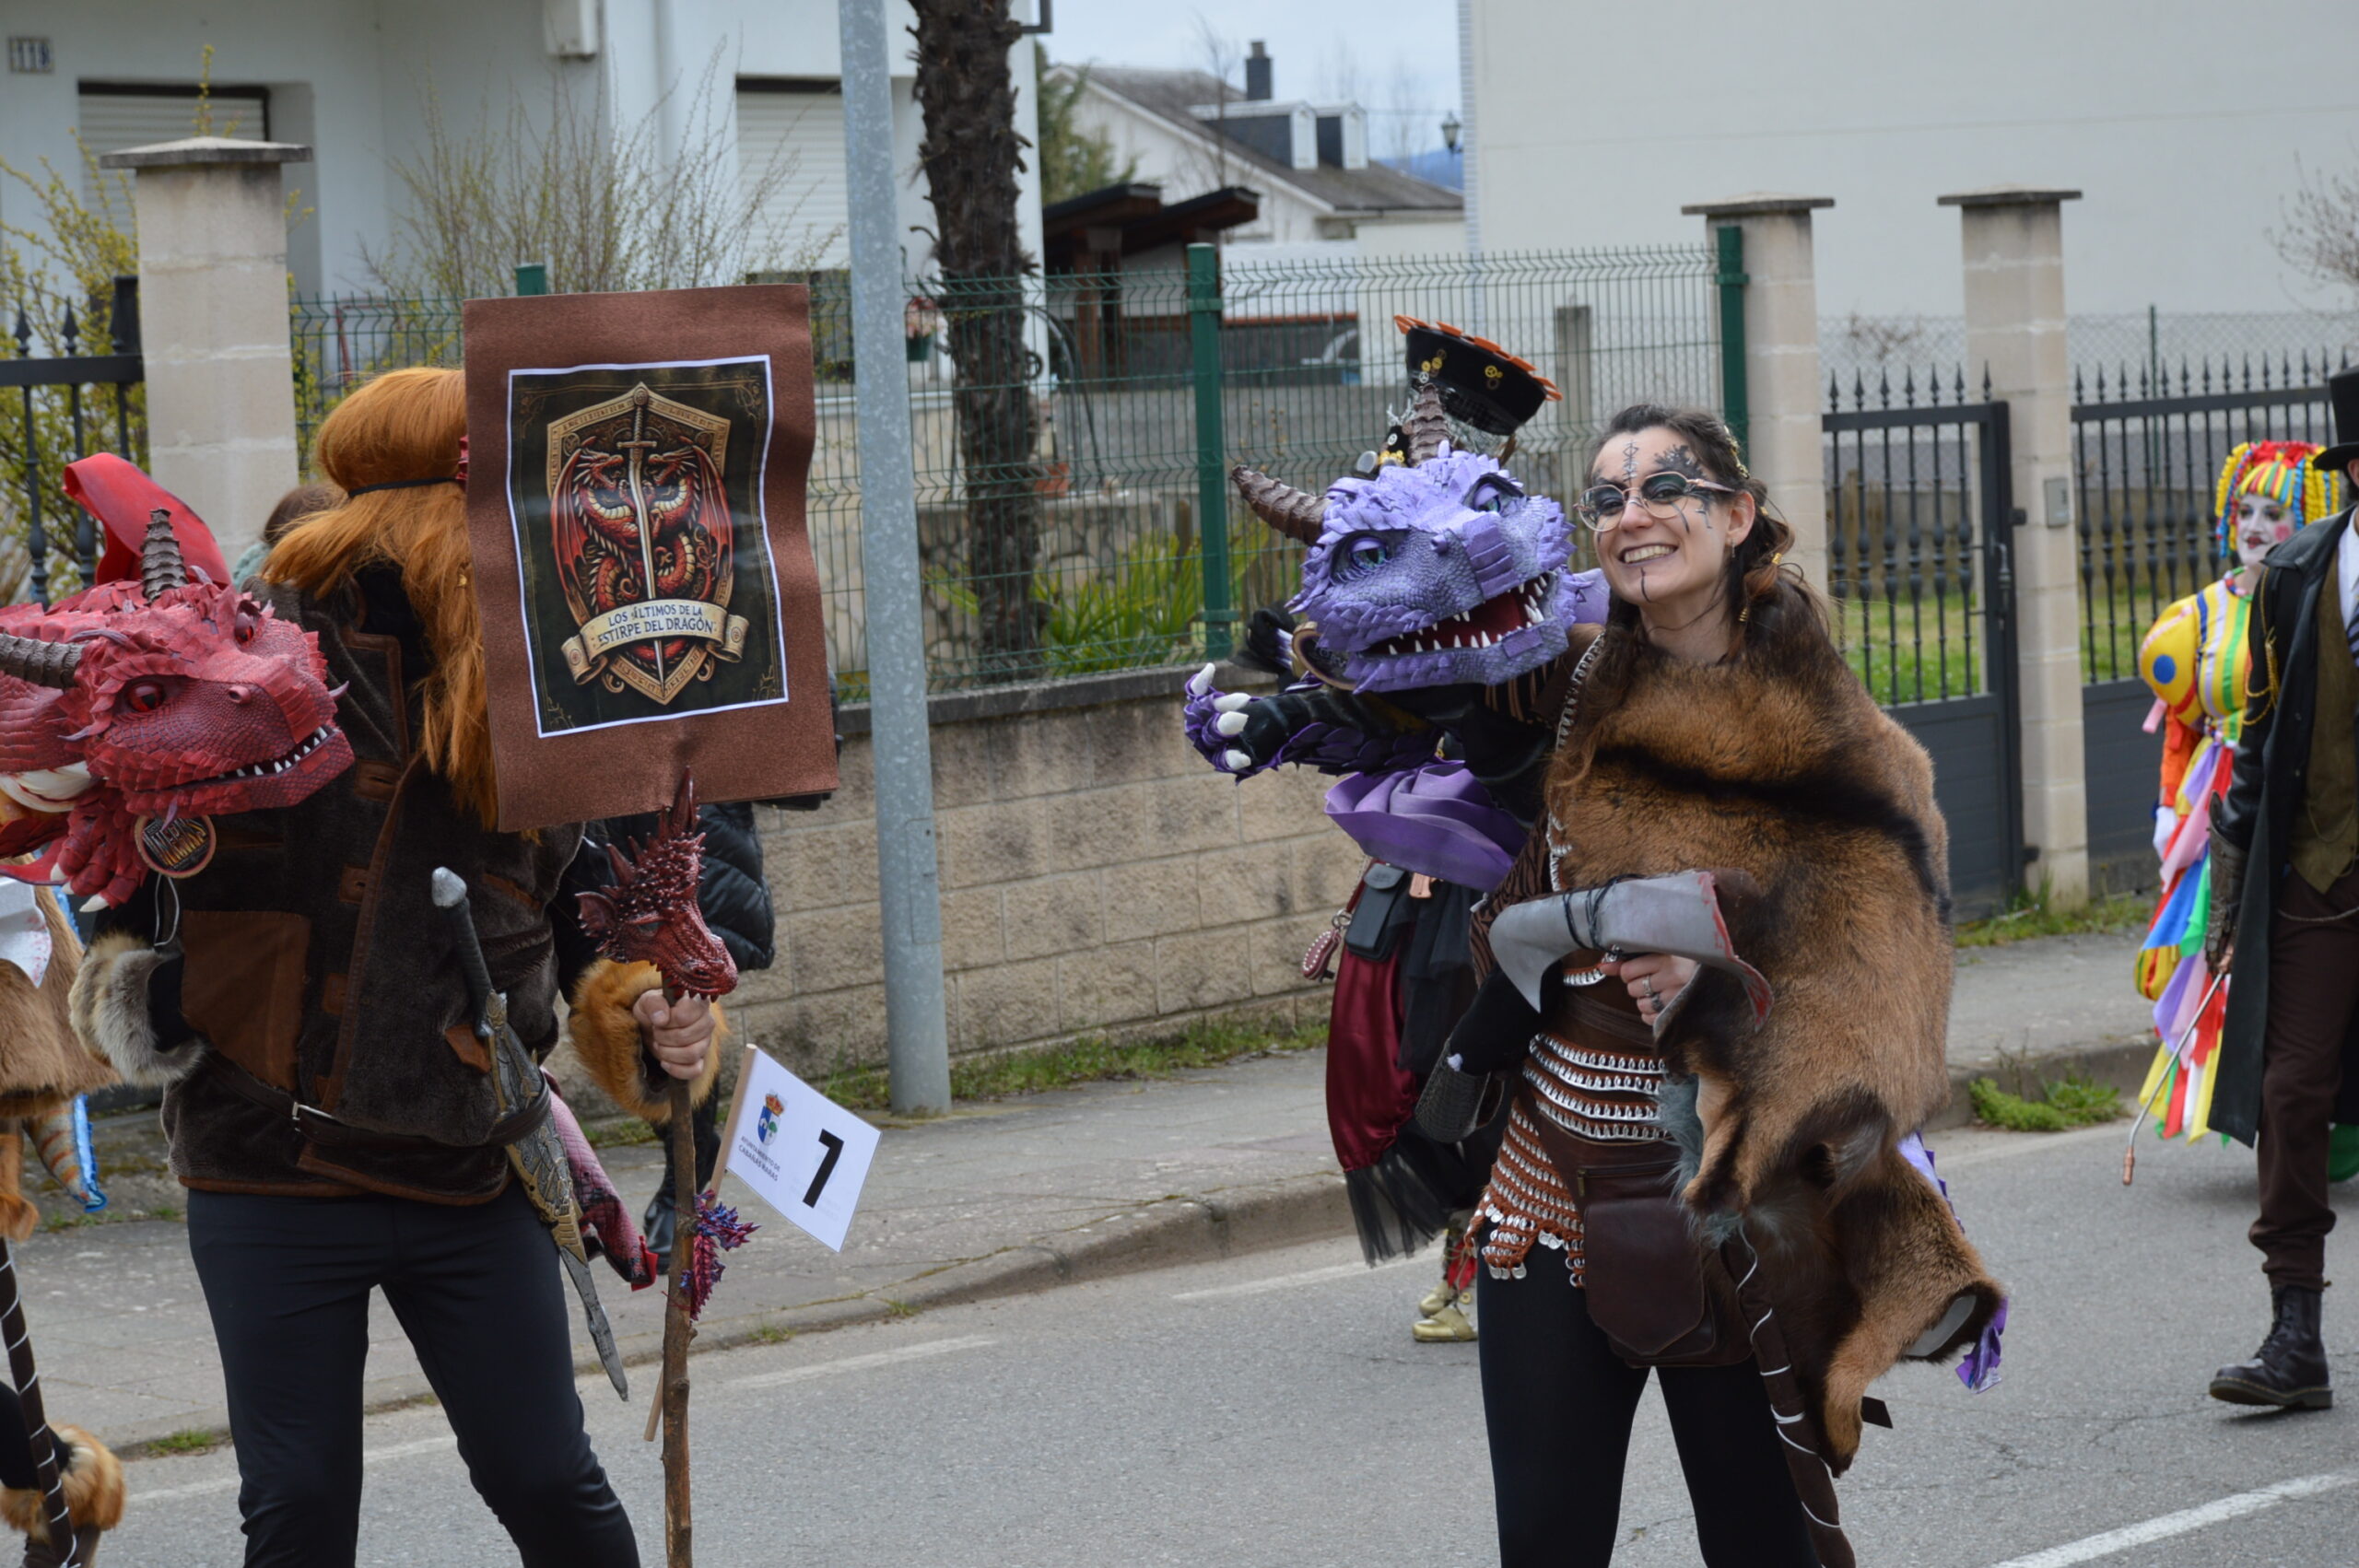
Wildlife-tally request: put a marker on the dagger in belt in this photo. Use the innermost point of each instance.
(539, 1157)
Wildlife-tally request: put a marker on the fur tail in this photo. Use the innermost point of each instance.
(93, 1478)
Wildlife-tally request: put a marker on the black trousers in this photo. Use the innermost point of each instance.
(1558, 1402)
(478, 1292)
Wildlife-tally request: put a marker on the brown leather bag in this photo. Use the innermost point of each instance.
(1659, 1297)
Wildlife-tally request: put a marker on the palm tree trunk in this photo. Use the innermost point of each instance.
(971, 153)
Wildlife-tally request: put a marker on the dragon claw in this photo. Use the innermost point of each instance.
(1236, 761)
(1229, 723)
(1231, 702)
(1201, 681)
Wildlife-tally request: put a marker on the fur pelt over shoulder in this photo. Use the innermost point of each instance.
(1777, 771)
(605, 1035)
(42, 1065)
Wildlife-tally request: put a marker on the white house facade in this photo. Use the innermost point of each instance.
(350, 77)
(2180, 120)
(1191, 133)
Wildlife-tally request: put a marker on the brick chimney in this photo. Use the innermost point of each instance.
(1257, 72)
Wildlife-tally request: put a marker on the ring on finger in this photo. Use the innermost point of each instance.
(1648, 981)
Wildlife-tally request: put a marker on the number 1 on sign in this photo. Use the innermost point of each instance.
(801, 1153)
(835, 1147)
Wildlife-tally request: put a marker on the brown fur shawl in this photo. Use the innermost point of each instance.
(1778, 771)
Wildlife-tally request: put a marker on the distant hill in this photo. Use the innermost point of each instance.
(1441, 166)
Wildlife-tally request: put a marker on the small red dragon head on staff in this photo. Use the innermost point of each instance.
(650, 915)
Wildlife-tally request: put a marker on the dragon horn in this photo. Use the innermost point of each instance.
(160, 566)
(43, 663)
(1295, 513)
(1426, 427)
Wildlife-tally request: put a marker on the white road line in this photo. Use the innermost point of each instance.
(2180, 1523)
(1285, 1281)
(861, 1364)
(224, 1483)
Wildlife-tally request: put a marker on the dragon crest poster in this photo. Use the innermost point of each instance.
(635, 500)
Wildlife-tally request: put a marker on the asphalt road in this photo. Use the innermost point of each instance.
(1271, 1409)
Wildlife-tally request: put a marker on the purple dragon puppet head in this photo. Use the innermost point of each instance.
(1437, 571)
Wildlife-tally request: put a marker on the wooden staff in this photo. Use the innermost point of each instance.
(28, 1381)
(677, 1329)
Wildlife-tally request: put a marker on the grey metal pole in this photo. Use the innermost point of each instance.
(909, 878)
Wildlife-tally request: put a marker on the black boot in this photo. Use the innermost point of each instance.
(2289, 1369)
(658, 1223)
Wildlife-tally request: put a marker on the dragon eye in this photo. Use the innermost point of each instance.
(244, 627)
(144, 696)
(1364, 553)
(1492, 494)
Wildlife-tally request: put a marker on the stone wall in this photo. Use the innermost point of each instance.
(1097, 878)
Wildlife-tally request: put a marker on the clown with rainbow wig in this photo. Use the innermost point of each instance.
(2197, 658)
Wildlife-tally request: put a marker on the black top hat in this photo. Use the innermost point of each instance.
(1481, 385)
(2343, 390)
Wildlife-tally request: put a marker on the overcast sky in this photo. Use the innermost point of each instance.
(1397, 58)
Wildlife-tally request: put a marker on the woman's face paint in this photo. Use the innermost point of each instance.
(2262, 524)
(1670, 565)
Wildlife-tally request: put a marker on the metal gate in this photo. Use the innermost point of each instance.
(46, 546)
(2148, 442)
(1919, 529)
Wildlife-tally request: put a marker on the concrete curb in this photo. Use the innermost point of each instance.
(1177, 1229)
(2119, 1062)
(1180, 1228)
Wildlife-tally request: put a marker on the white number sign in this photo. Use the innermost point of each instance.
(803, 1154)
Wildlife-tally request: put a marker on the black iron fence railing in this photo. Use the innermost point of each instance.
(66, 406)
(2147, 450)
(1904, 487)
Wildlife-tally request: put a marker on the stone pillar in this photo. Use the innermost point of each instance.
(213, 326)
(1785, 444)
(2014, 330)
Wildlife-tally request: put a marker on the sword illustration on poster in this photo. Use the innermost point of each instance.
(634, 495)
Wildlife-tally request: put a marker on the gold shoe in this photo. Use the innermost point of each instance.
(1450, 1325)
(1440, 1296)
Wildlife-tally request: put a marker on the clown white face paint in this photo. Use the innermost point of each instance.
(2262, 524)
(1672, 568)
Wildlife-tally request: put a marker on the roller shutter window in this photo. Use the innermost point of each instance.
(112, 118)
(798, 129)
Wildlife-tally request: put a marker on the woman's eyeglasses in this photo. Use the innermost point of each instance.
(1600, 506)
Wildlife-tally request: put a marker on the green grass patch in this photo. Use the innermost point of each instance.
(622, 1132)
(1086, 1060)
(2073, 1101)
(190, 1442)
(2034, 915)
(769, 1334)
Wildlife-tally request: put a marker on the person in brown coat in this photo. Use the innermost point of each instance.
(326, 1100)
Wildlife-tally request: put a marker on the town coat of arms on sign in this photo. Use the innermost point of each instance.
(643, 596)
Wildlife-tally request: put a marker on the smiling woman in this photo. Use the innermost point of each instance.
(1710, 725)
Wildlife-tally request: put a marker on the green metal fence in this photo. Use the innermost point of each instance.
(1074, 511)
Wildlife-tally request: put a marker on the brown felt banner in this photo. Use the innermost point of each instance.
(635, 490)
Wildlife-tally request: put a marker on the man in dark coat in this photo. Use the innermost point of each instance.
(2286, 911)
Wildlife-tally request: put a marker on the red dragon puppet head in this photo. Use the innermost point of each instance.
(650, 915)
(161, 699)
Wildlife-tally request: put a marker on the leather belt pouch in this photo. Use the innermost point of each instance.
(1382, 912)
(1661, 1299)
